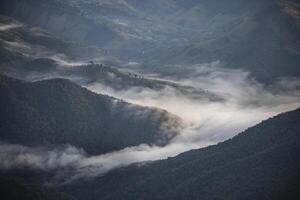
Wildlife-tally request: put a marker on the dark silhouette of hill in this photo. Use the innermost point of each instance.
(57, 111)
(14, 189)
(260, 163)
(169, 38)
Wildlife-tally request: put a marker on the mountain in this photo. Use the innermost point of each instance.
(53, 112)
(63, 19)
(59, 140)
(121, 81)
(260, 36)
(28, 49)
(260, 163)
(31, 53)
(12, 188)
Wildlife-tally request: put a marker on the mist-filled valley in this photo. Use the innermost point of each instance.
(161, 99)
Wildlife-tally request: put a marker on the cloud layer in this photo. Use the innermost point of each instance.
(245, 103)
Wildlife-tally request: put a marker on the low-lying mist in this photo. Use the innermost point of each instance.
(245, 102)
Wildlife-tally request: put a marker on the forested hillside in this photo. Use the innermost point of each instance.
(60, 112)
(260, 163)
(150, 99)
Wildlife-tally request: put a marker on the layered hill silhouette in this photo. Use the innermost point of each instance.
(260, 163)
(57, 111)
(107, 43)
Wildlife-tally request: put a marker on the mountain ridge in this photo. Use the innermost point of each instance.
(233, 169)
(58, 111)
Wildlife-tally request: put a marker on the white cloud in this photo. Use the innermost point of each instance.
(245, 103)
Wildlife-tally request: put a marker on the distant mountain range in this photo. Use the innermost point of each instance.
(260, 36)
(22, 44)
(30, 53)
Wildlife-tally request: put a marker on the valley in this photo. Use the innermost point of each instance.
(131, 99)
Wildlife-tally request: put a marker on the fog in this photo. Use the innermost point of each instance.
(71, 163)
(245, 102)
(63, 61)
(6, 27)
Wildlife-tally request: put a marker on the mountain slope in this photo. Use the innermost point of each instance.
(57, 111)
(260, 163)
(122, 81)
(258, 36)
(60, 18)
(26, 49)
(14, 189)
